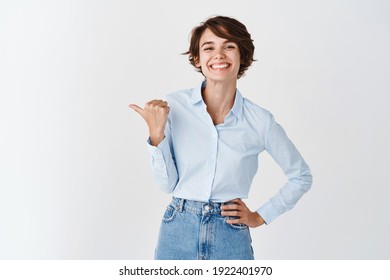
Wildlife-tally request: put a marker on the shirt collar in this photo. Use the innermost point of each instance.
(197, 93)
(238, 105)
(238, 101)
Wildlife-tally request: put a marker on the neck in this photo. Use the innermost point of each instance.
(219, 99)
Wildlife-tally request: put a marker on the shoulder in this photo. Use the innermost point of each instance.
(255, 111)
(179, 96)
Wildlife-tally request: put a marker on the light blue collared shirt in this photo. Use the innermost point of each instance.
(198, 160)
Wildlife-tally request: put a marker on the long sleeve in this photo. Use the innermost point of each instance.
(163, 162)
(200, 161)
(283, 151)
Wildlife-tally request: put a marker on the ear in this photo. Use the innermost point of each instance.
(197, 63)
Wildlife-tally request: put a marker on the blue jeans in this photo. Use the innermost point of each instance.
(192, 230)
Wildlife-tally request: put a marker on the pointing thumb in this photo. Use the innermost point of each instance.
(136, 108)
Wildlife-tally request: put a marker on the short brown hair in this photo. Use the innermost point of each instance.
(227, 28)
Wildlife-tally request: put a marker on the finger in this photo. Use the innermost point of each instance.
(136, 108)
(233, 201)
(154, 102)
(239, 202)
(164, 104)
(231, 213)
(229, 207)
(234, 221)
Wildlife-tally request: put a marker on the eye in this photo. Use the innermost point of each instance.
(208, 49)
(230, 47)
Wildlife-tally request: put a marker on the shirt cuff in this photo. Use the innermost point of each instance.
(161, 148)
(268, 212)
(159, 154)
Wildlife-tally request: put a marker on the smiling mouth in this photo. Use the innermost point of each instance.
(220, 65)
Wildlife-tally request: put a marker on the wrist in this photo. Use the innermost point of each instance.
(259, 220)
(155, 140)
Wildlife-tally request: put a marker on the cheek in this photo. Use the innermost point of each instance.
(201, 60)
(239, 58)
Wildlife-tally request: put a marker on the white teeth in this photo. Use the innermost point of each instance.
(219, 66)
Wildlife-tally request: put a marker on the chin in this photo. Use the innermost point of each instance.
(220, 78)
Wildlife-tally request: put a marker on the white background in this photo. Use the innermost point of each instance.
(75, 179)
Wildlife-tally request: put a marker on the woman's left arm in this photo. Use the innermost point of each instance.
(299, 178)
(283, 151)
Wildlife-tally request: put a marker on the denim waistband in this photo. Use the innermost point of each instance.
(196, 207)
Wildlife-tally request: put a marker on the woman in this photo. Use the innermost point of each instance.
(205, 143)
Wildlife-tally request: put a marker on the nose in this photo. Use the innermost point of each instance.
(220, 54)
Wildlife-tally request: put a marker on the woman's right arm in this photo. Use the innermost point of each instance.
(160, 146)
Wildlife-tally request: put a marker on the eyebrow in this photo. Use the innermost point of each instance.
(207, 43)
(212, 42)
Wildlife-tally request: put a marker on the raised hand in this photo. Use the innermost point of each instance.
(155, 114)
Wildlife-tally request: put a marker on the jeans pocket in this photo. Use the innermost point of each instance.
(169, 214)
(235, 226)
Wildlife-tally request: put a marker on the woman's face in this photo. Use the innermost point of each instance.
(219, 59)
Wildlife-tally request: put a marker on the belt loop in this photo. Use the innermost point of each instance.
(181, 205)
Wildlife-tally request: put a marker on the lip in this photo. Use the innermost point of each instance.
(220, 65)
